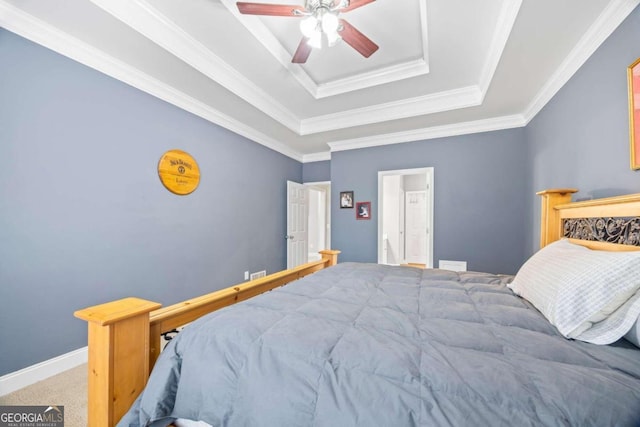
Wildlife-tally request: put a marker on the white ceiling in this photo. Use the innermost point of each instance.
(444, 67)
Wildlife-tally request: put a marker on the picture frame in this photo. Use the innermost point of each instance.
(633, 78)
(363, 210)
(346, 200)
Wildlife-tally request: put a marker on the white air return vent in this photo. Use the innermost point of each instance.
(453, 265)
(258, 274)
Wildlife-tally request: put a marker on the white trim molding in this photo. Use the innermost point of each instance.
(150, 22)
(316, 157)
(506, 21)
(612, 16)
(389, 74)
(31, 28)
(378, 77)
(41, 371)
(433, 103)
(476, 126)
(16, 20)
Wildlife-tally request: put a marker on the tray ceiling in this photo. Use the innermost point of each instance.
(444, 67)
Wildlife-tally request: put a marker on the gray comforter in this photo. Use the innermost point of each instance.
(370, 345)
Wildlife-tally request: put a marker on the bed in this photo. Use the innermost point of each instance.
(363, 344)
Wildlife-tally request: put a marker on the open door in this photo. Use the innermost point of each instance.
(405, 216)
(297, 231)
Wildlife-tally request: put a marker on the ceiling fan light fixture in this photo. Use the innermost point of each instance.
(332, 38)
(315, 40)
(309, 26)
(321, 21)
(320, 24)
(330, 23)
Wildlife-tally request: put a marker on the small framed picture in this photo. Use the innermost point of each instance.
(363, 210)
(346, 199)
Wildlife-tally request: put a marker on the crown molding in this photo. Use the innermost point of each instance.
(444, 101)
(378, 77)
(610, 18)
(31, 28)
(433, 103)
(506, 21)
(384, 75)
(465, 128)
(151, 23)
(316, 157)
(154, 25)
(339, 86)
(428, 104)
(272, 45)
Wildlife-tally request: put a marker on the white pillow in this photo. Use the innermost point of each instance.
(588, 295)
(634, 334)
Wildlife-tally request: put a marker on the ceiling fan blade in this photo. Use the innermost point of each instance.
(354, 4)
(302, 52)
(268, 9)
(356, 39)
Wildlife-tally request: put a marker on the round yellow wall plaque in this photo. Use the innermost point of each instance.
(179, 172)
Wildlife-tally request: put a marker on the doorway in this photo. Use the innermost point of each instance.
(405, 216)
(319, 218)
(308, 221)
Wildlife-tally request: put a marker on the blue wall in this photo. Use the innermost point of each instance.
(479, 185)
(84, 218)
(580, 139)
(316, 171)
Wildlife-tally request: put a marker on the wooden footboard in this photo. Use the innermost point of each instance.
(124, 337)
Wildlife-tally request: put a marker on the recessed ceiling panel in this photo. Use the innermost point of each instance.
(453, 67)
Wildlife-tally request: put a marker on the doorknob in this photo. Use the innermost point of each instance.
(289, 237)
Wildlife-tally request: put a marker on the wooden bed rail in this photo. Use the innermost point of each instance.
(173, 316)
(124, 337)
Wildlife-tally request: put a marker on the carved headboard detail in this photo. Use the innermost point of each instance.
(611, 223)
(624, 231)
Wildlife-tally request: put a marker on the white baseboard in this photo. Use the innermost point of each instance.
(41, 371)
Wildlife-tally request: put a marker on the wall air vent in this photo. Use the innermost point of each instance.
(258, 274)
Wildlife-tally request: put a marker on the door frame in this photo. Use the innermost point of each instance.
(429, 177)
(324, 186)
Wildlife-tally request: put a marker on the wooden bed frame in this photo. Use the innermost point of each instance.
(124, 335)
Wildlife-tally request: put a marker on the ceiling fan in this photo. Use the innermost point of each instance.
(320, 17)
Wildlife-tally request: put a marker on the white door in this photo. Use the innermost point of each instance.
(416, 227)
(297, 231)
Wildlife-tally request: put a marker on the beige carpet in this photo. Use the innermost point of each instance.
(68, 389)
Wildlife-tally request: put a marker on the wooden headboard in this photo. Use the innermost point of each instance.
(611, 223)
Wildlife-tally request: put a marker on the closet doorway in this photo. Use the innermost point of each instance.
(308, 221)
(319, 218)
(405, 217)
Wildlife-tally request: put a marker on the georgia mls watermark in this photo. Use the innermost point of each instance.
(31, 416)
